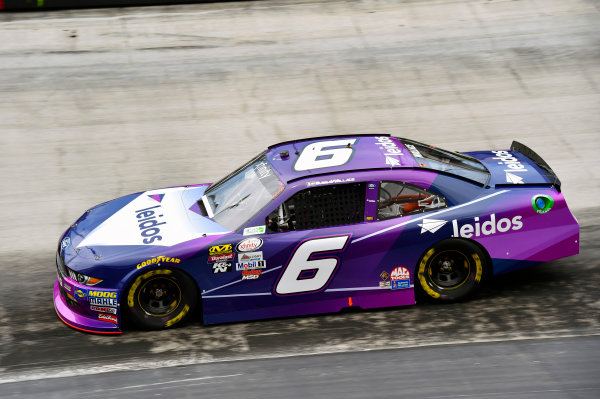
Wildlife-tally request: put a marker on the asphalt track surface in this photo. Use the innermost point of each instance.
(95, 104)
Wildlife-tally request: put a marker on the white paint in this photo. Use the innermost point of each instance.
(173, 223)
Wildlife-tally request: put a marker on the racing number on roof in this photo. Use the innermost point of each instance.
(303, 274)
(320, 155)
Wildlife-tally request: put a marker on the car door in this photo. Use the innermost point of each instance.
(301, 261)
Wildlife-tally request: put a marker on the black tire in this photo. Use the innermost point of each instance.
(161, 298)
(451, 270)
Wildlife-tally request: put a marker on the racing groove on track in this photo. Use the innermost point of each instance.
(87, 99)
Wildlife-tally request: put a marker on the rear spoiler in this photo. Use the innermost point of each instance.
(529, 153)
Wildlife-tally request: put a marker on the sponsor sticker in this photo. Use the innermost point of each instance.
(108, 317)
(250, 256)
(400, 278)
(251, 274)
(384, 275)
(103, 309)
(113, 302)
(66, 286)
(221, 258)
(102, 294)
(542, 203)
(250, 231)
(221, 267)
(256, 264)
(384, 284)
(157, 261)
(220, 249)
(249, 244)
(80, 293)
(486, 228)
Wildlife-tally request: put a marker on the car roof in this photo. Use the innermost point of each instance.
(345, 153)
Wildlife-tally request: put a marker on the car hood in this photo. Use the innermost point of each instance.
(157, 218)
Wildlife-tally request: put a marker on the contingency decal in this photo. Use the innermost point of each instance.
(153, 218)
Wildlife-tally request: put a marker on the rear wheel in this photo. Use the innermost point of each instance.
(451, 270)
(161, 298)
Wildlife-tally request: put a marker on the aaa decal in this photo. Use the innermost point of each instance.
(220, 249)
(157, 261)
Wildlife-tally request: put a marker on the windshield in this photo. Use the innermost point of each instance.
(446, 161)
(240, 195)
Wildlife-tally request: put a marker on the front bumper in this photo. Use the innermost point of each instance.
(77, 312)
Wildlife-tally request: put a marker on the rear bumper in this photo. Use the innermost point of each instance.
(76, 313)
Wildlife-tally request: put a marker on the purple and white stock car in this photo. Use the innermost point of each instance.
(313, 226)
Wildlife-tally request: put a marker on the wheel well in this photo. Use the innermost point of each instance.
(489, 267)
(131, 280)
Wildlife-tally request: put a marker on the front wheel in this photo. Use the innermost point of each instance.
(451, 270)
(161, 298)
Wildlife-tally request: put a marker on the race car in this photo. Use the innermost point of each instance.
(313, 226)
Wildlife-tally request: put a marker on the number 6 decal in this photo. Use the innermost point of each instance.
(303, 274)
(316, 156)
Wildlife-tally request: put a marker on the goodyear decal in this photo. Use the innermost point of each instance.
(157, 261)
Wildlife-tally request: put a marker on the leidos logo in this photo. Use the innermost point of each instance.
(487, 228)
(512, 163)
(389, 149)
(148, 222)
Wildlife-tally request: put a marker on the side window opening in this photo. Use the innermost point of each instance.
(320, 207)
(398, 199)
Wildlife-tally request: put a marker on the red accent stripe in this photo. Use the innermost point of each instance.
(81, 329)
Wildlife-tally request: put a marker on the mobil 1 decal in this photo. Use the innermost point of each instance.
(312, 265)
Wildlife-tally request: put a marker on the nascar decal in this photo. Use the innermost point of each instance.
(156, 218)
